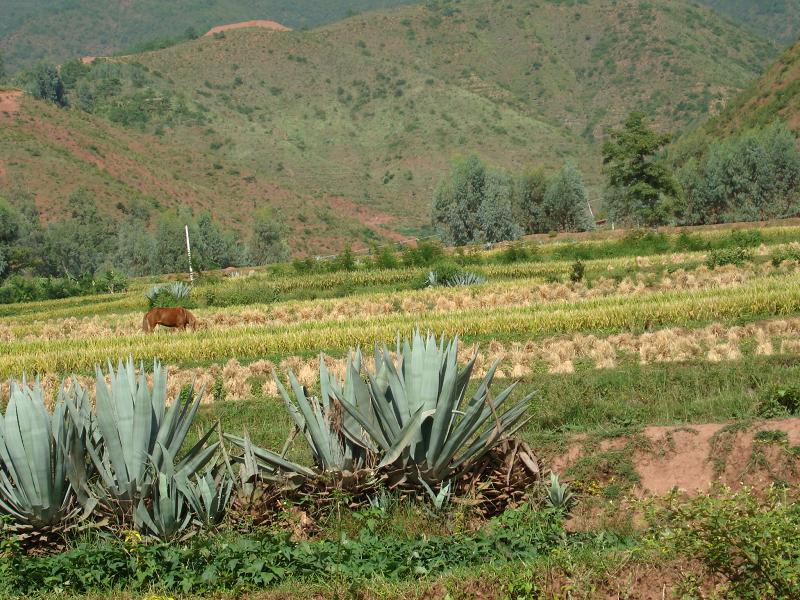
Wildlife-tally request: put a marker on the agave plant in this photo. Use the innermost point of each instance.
(465, 278)
(165, 512)
(412, 417)
(208, 496)
(421, 418)
(39, 451)
(559, 495)
(336, 441)
(135, 429)
(177, 291)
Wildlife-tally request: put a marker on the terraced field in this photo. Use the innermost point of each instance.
(651, 370)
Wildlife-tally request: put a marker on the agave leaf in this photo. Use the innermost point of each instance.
(406, 437)
(273, 460)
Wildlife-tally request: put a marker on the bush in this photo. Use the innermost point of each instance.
(517, 253)
(779, 402)
(728, 256)
(788, 253)
(170, 295)
(750, 541)
(577, 272)
(424, 254)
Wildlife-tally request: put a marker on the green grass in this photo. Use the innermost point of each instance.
(600, 402)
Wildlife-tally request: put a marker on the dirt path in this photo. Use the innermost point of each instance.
(692, 458)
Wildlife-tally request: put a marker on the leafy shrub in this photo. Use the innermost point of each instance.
(19, 288)
(169, 295)
(424, 254)
(779, 402)
(787, 253)
(516, 253)
(737, 255)
(750, 541)
(577, 272)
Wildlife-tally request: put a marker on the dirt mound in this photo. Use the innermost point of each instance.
(9, 102)
(271, 25)
(691, 458)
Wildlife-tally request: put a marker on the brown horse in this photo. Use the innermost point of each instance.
(179, 318)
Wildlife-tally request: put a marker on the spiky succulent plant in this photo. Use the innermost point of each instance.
(421, 417)
(40, 452)
(134, 429)
(412, 416)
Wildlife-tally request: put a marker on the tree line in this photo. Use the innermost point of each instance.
(754, 175)
(136, 241)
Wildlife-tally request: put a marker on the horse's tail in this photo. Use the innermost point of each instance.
(146, 323)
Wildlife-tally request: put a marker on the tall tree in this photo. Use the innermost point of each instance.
(474, 204)
(2, 67)
(566, 205)
(268, 243)
(640, 187)
(44, 82)
(216, 247)
(752, 176)
(457, 200)
(495, 215)
(528, 203)
(81, 244)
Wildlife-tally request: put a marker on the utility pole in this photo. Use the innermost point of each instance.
(189, 253)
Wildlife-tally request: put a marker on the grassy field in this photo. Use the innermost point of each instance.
(651, 370)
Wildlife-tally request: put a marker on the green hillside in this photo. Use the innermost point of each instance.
(774, 95)
(49, 153)
(360, 118)
(373, 107)
(58, 30)
(776, 19)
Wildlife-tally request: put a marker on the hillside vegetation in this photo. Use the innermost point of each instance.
(776, 19)
(32, 30)
(774, 95)
(372, 108)
(50, 153)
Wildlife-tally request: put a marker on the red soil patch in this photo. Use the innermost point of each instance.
(693, 458)
(271, 25)
(9, 102)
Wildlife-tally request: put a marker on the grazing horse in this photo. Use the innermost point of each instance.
(179, 318)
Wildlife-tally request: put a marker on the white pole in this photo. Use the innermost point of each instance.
(189, 253)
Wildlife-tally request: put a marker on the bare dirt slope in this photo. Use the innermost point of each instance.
(262, 24)
(693, 458)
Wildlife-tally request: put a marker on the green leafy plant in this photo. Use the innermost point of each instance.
(748, 539)
(40, 485)
(577, 272)
(559, 495)
(737, 255)
(173, 294)
(135, 434)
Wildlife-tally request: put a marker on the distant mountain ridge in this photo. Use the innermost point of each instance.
(59, 30)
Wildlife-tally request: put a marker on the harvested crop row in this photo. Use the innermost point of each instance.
(775, 296)
(714, 343)
(435, 300)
